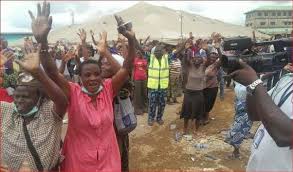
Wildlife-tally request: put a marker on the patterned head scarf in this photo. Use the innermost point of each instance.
(25, 79)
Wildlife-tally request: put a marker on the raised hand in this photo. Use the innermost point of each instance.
(31, 62)
(6, 56)
(245, 75)
(217, 40)
(127, 32)
(92, 33)
(121, 38)
(102, 46)
(289, 67)
(82, 35)
(41, 25)
(69, 55)
(78, 51)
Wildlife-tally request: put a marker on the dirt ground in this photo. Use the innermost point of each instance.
(155, 148)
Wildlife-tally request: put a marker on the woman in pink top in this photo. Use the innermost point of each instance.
(139, 78)
(90, 144)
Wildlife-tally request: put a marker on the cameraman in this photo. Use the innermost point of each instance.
(271, 149)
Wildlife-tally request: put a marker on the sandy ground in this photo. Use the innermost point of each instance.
(155, 148)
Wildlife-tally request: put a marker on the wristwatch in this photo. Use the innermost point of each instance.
(251, 88)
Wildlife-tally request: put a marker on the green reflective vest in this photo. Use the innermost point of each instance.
(158, 75)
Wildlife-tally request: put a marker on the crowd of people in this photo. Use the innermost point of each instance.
(43, 82)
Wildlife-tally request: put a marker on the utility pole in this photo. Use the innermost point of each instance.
(72, 17)
(181, 24)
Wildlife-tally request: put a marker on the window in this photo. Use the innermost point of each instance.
(266, 13)
(247, 25)
(273, 13)
(250, 24)
(289, 13)
(262, 23)
(279, 13)
(284, 13)
(259, 14)
(273, 23)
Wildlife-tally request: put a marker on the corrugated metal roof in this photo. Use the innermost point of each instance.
(275, 30)
(271, 8)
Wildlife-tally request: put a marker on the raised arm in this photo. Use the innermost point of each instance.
(82, 36)
(138, 46)
(93, 37)
(78, 55)
(217, 45)
(181, 48)
(5, 56)
(121, 76)
(31, 64)
(122, 40)
(277, 123)
(105, 53)
(146, 40)
(41, 27)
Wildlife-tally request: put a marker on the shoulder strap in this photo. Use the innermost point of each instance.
(285, 95)
(32, 149)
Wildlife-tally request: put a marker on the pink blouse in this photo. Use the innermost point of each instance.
(90, 144)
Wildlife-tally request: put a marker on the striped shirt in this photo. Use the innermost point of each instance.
(175, 68)
(45, 133)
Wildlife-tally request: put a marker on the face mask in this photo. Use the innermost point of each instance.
(32, 112)
(83, 89)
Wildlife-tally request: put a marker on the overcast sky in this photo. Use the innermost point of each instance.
(14, 16)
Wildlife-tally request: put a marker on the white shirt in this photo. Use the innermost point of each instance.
(265, 154)
(271, 49)
(118, 58)
(58, 64)
(153, 50)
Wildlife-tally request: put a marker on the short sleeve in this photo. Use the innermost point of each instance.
(74, 87)
(48, 109)
(6, 110)
(108, 87)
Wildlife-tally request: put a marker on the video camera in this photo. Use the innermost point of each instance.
(260, 62)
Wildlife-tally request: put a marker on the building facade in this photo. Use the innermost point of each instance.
(271, 20)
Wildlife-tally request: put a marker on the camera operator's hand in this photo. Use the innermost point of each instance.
(245, 75)
(289, 67)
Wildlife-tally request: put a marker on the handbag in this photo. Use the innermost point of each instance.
(125, 119)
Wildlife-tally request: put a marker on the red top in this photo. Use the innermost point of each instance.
(90, 144)
(4, 96)
(140, 68)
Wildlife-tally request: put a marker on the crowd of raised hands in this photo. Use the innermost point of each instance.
(41, 25)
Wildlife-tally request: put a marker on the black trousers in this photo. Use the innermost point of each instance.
(123, 143)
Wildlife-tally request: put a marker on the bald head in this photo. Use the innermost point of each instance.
(159, 51)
